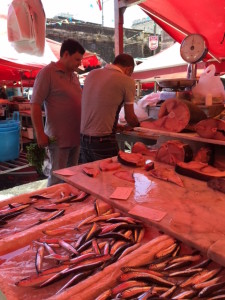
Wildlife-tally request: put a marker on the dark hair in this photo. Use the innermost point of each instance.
(124, 60)
(71, 46)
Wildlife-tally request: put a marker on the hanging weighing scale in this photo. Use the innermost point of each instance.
(193, 49)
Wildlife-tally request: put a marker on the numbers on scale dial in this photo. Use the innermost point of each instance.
(193, 48)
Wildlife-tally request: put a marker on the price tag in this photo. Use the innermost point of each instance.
(64, 172)
(122, 193)
(147, 213)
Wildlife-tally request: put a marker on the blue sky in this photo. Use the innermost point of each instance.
(86, 10)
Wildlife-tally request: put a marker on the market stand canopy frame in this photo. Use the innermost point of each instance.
(181, 18)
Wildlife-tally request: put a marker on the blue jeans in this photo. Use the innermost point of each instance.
(61, 158)
(94, 148)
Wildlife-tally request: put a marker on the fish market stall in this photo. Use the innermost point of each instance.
(186, 208)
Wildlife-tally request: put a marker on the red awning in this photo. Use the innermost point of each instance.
(181, 18)
(89, 60)
(16, 66)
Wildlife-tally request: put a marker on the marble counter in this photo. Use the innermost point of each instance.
(194, 214)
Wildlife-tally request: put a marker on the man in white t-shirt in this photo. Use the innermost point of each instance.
(105, 91)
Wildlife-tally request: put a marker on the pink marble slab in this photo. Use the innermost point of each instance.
(195, 213)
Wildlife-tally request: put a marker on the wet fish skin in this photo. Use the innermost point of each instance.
(10, 216)
(123, 219)
(38, 196)
(55, 277)
(105, 295)
(141, 270)
(93, 231)
(202, 264)
(52, 216)
(74, 280)
(58, 257)
(127, 284)
(68, 247)
(121, 249)
(83, 268)
(186, 272)
(116, 245)
(33, 281)
(177, 265)
(128, 250)
(183, 258)
(114, 226)
(82, 196)
(218, 297)
(189, 294)
(135, 291)
(200, 277)
(106, 249)
(85, 221)
(81, 258)
(8, 212)
(81, 240)
(97, 207)
(159, 264)
(204, 284)
(169, 293)
(45, 208)
(66, 199)
(113, 235)
(210, 289)
(146, 277)
(39, 258)
(95, 247)
(84, 246)
(105, 217)
(141, 235)
(56, 269)
(219, 292)
(48, 248)
(167, 252)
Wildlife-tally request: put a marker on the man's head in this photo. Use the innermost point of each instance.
(71, 54)
(125, 62)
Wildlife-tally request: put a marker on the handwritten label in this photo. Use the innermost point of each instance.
(147, 213)
(64, 172)
(122, 193)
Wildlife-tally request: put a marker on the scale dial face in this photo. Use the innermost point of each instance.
(193, 48)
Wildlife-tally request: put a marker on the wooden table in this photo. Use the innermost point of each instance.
(195, 214)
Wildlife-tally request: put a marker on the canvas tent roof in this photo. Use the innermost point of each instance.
(180, 18)
(166, 63)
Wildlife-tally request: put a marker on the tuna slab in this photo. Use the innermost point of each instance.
(211, 129)
(174, 115)
(174, 151)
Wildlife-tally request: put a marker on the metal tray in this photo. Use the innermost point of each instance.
(175, 82)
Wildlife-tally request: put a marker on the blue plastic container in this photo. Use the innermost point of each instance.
(9, 144)
(10, 138)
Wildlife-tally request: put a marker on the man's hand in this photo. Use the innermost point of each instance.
(42, 140)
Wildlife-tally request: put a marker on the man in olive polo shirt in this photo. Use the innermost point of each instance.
(105, 91)
(58, 88)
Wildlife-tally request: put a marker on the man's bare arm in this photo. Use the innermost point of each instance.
(37, 120)
(130, 116)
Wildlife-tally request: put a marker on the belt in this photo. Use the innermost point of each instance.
(97, 138)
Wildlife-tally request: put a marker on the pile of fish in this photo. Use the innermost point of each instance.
(55, 207)
(173, 274)
(94, 243)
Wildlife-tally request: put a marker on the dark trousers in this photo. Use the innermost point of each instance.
(94, 148)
